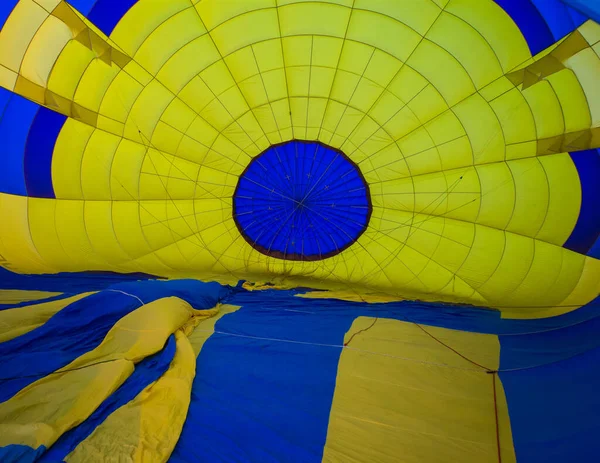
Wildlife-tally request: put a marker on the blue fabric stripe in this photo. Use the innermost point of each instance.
(83, 6)
(587, 229)
(81, 327)
(146, 372)
(589, 8)
(17, 117)
(557, 17)
(6, 7)
(79, 282)
(20, 453)
(106, 14)
(258, 400)
(530, 22)
(554, 408)
(38, 152)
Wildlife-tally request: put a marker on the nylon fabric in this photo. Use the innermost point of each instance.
(18, 321)
(159, 411)
(129, 150)
(87, 381)
(299, 230)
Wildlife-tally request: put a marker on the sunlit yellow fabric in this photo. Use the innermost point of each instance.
(408, 396)
(461, 134)
(38, 414)
(18, 321)
(14, 296)
(147, 428)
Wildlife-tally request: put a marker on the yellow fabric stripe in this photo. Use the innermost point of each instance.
(414, 399)
(147, 428)
(45, 409)
(14, 296)
(21, 320)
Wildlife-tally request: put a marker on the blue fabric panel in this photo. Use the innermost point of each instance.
(75, 330)
(38, 152)
(6, 7)
(15, 122)
(83, 6)
(554, 409)
(20, 454)
(587, 229)
(557, 17)
(66, 282)
(548, 346)
(533, 27)
(254, 399)
(81, 327)
(290, 201)
(589, 8)
(595, 249)
(146, 372)
(106, 14)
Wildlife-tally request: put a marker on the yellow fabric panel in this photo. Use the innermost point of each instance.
(590, 31)
(483, 129)
(69, 69)
(119, 97)
(546, 110)
(147, 428)
(484, 256)
(125, 171)
(44, 232)
(17, 250)
(517, 259)
(586, 66)
(146, 111)
(564, 200)
(100, 230)
(213, 12)
(72, 235)
(128, 229)
(188, 61)
(313, 18)
(419, 15)
(257, 25)
(43, 51)
(382, 32)
(67, 159)
(478, 59)
(573, 102)
(96, 165)
(142, 19)
(18, 321)
(531, 196)
(443, 70)
(29, 418)
(515, 116)
(585, 290)
(18, 31)
(497, 195)
(10, 296)
(504, 37)
(174, 33)
(408, 395)
(552, 276)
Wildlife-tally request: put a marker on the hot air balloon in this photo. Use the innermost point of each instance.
(299, 230)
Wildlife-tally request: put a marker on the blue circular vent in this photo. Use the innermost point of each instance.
(301, 200)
